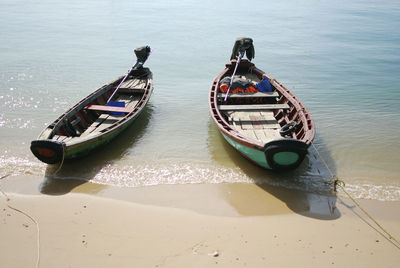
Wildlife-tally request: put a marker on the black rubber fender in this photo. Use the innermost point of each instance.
(285, 145)
(48, 151)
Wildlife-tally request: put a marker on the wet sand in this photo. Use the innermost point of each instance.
(224, 225)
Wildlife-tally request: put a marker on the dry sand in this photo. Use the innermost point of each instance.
(232, 225)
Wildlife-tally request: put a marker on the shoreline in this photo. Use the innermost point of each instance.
(192, 226)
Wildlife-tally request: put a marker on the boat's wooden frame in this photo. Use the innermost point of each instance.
(91, 122)
(262, 142)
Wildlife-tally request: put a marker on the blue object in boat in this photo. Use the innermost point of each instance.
(264, 85)
(116, 104)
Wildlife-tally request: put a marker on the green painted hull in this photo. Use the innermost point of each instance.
(86, 147)
(276, 152)
(279, 154)
(254, 155)
(61, 140)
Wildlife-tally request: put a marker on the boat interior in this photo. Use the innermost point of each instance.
(98, 114)
(254, 115)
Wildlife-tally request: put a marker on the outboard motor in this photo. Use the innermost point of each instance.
(242, 45)
(142, 54)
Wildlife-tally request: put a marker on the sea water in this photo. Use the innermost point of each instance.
(341, 58)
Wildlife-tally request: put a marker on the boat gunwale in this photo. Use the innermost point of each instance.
(106, 134)
(289, 98)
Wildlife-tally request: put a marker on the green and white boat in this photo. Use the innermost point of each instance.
(99, 117)
(268, 125)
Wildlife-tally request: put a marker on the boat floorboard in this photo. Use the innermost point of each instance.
(133, 84)
(257, 125)
(106, 120)
(252, 107)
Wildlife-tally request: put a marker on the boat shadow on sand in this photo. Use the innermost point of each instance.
(73, 173)
(307, 190)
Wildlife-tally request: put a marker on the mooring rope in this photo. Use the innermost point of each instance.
(323, 161)
(337, 182)
(340, 183)
(61, 164)
(27, 215)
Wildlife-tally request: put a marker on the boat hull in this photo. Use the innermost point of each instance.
(48, 151)
(61, 141)
(278, 155)
(84, 148)
(282, 152)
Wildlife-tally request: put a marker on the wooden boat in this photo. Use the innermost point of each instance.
(99, 117)
(271, 128)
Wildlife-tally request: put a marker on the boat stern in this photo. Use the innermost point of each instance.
(48, 151)
(285, 153)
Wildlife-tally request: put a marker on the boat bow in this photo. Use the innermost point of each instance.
(285, 153)
(48, 151)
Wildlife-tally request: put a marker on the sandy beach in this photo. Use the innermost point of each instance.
(231, 225)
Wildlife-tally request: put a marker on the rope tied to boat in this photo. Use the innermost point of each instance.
(339, 183)
(61, 164)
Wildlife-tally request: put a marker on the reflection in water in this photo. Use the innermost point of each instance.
(306, 190)
(78, 171)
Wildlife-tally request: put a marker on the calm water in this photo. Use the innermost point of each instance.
(340, 58)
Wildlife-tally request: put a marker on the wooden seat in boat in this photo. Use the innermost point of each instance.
(250, 107)
(105, 108)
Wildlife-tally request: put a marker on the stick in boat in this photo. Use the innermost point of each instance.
(141, 58)
(233, 74)
(112, 95)
(242, 45)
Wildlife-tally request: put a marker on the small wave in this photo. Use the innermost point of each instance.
(145, 174)
(374, 192)
(189, 173)
(149, 175)
(13, 165)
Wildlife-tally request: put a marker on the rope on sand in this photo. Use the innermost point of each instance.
(339, 183)
(27, 215)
